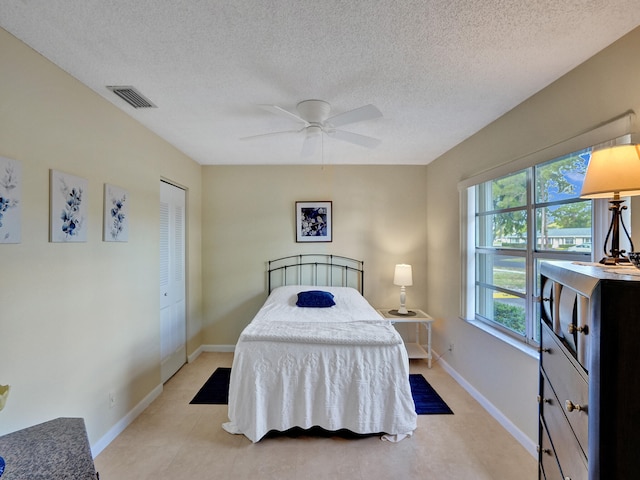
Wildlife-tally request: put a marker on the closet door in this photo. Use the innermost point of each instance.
(173, 327)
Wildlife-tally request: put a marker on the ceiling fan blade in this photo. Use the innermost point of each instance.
(368, 112)
(270, 134)
(282, 112)
(356, 138)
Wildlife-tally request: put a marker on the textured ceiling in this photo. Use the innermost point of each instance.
(439, 70)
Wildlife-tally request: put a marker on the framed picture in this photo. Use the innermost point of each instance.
(313, 222)
(116, 214)
(69, 207)
(10, 200)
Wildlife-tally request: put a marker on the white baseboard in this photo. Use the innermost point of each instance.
(210, 348)
(119, 427)
(192, 358)
(523, 439)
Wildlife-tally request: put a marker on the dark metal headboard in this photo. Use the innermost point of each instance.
(317, 270)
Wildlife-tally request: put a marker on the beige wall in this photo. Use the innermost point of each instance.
(604, 87)
(78, 321)
(379, 215)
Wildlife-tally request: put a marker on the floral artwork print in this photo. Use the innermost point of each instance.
(10, 196)
(68, 208)
(313, 222)
(69, 216)
(116, 214)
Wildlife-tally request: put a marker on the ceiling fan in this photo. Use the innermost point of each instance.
(315, 119)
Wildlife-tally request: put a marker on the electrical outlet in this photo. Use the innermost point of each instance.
(112, 399)
(451, 347)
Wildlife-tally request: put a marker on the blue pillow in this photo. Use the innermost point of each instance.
(315, 299)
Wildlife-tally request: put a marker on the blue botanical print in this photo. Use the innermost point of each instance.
(7, 184)
(5, 203)
(314, 222)
(71, 221)
(117, 216)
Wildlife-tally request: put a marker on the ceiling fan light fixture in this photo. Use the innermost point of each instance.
(314, 130)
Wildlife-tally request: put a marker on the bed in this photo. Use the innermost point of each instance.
(341, 367)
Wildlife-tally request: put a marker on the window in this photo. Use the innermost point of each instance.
(518, 221)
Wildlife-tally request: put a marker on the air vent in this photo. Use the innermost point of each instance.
(132, 97)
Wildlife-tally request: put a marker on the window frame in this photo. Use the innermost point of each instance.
(531, 255)
(599, 225)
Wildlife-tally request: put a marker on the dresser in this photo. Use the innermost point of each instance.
(589, 396)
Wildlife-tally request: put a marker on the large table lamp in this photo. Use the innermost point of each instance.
(403, 278)
(613, 172)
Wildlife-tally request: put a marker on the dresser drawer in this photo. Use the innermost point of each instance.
(548, 295)
(567, 314)
(548, 460)
(569, 385)
(567, 318)
(564, 443)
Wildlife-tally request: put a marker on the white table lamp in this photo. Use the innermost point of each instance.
(403, 278)
(613, 173)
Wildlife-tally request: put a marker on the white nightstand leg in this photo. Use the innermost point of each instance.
(429, 343)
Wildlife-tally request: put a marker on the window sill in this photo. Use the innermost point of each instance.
(529, 350)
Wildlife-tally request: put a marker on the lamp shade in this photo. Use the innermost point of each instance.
(611, 171)
(403, 275)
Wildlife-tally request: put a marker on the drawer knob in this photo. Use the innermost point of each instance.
(544, 350)
(573, 407)
(575, 329)
(543, 450)
(541, 399)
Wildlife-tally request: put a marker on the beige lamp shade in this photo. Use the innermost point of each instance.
(613, 171)
(403, 275)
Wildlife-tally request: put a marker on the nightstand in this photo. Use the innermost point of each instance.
(414, 350)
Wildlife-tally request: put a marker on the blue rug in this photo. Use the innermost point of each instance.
(425, 398)
(215, 391)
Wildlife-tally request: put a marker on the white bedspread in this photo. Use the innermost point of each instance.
(334, 333)
(305, 367)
